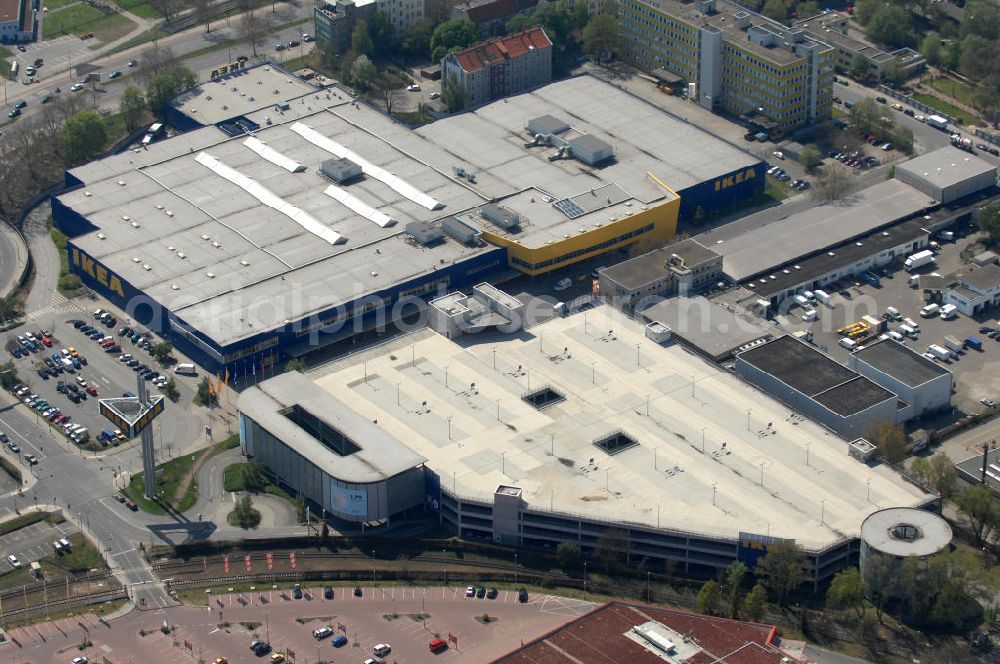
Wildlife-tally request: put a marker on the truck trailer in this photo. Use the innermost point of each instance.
(954, 344)
(962, 142)
(937, 121)
(919, 259)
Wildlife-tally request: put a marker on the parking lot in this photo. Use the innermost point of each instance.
(32, 543)
(104, 375)
(977, 374)
(405, 618)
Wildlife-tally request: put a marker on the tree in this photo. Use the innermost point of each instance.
(132, 107)
(8, 308)
(300, 507)
(890, 441)
(938, 472)
(860, 67)
(164, 87)
(881, 581)
(253, 30)
(361, 39)
(162, 350)
(609, 547)
(243, 514)
(568, 556)
(891, 25)
(83, 136)
(8, 375)
(776, 10)
(753, 604)
(949, 608)
(254, 478)
(453, 94)
(170, 389)
(451, 36)
(363, 72)
(203, 11)
(832, 185)
(810, 157)
(383, 35)
(297, 364)
(600, 37)
(708, 597)
(932, 49)
(864, 10)
(390, 95)
(847, 591)
(977, 503)
(168, 9)
(807, 9)
(205, 395)
(782, 569)
(894, 73)
(902, 139)
(981, 18)
(734, 580)
(989, 222)
(417, 39)
(867, 115)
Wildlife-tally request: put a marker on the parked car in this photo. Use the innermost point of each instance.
(563, 284)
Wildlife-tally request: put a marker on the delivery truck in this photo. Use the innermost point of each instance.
(185, 369)
(919, 259)
(939, 352)
(937, 121)
(953, 343)
(974, 343)
(948, 312)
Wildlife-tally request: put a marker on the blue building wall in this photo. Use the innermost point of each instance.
(712, 195)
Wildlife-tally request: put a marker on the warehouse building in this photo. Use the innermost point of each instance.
(947, 174)
(818, 387)
(332, 220)
(584, 431)
(923, 384)
(975, 290)
(707, 327)
(686, 267)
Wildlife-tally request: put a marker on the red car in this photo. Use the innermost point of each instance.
(59, 419)
(108, 343)
(91, 390)
(47, 341)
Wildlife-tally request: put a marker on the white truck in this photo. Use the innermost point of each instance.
(919, 259)
(849, 344)
(185, 369)
(954, 344)
(948, 312)
(822, 296)
(930, 311)
(939, 352)
(937, 121)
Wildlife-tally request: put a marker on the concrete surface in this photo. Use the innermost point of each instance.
(13, 259)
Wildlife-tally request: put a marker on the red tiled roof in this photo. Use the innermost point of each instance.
(475, 58)
(598, 638)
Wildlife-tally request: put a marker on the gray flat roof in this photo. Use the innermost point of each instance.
(946, 166)
(380, 456)
(982, 277)
(550, 455)
(260, 255)
(748, 253)
(705, 325)
(252, 89)
(900, 362)
(647, 268)
(879, 531)
(807, 370)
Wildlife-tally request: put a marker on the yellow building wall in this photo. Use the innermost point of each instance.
(580, 246)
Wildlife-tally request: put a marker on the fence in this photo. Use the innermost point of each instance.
(986, 136)
(910, 101)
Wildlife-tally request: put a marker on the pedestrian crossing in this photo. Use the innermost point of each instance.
(58, 304)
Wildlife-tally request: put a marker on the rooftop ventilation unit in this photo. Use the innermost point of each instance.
(546, 125)
(501, 216)
(461, 231)
(340, 170)
(591, 150)
(424, 232)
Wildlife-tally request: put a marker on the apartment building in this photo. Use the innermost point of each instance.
(402, 13)
(490, 16)
(737, 60)
(501, 67)
(334, 21)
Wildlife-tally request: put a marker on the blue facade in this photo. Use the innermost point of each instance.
(248, 359)
(713, 195)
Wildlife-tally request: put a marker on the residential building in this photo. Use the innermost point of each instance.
(17, 21)
(975, 290)
(501, 67)
(490, 16)
(683, 268)
(335, 21)
(737, 60)
(402, 13)
(833, 28)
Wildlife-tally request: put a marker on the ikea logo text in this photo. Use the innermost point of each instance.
(731, 180)
(97, 272)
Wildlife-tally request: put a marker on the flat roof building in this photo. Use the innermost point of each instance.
(923, 384)
(819, 387)
(707, 327)
(947, 174)
(685, 267)
(833, 28)
(577, 427)
(243, 249)
(739, 60)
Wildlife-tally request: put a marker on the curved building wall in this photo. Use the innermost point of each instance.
(891, 536)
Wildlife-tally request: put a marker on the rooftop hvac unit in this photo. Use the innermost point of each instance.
(546, 125)
(424, 232)
(461, 231)
(501, 216)
(591, 150)
(340, 170)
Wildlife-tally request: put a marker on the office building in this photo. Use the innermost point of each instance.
(334, 22)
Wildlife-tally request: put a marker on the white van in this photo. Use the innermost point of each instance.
(914, 280)
(895, 336)
(809, 315)
(186, 369)
(849, 344)
(382, 650)
(802, 301)
(929, 311)
(949, 311)
(912, 323)
(892, 313)
(908, 331)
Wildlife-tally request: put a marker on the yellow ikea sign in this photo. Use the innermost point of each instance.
(97, 272)
(735, 179)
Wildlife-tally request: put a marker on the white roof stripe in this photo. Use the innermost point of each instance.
(270, 199)
(273, 156)
(399, 185)
(357, 205)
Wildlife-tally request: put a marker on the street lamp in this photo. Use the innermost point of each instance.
(584, 576)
